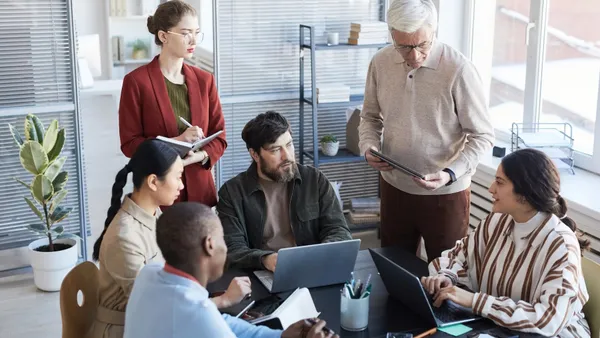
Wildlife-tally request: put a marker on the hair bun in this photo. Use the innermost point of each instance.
(150, 24)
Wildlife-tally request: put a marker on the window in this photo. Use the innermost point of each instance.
(507, 82)
(543, 66)
(571, 68)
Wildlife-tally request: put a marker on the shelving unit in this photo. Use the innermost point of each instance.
(554, 139)
(343, 155)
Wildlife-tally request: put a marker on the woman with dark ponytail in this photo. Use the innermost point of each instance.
(128, 241)
(523, 262)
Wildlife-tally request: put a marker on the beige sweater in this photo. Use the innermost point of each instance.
(526, 276)
(431, 118)
(128, 245)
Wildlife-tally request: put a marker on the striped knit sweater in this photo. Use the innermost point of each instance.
(531, 283)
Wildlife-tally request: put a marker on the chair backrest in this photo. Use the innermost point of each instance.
(591, 273)
(78, 319)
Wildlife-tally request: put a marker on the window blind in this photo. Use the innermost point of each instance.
(37, 76)
(258, 70)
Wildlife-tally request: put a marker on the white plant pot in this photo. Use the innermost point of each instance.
(50, 268)
(330, 148)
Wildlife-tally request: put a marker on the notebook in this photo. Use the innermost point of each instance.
(279, 313)
(184, 147)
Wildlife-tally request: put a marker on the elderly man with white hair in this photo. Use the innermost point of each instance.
(424, 107)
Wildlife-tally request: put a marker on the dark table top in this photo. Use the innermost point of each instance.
(385, 313)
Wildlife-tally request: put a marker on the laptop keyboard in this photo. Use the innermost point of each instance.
(265, 277)
(449, 313)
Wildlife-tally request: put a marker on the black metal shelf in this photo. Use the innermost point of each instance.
(354, 99)
(311, 47)
(322, 46)
(342, 156)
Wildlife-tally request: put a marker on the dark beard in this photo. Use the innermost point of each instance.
(278, 176)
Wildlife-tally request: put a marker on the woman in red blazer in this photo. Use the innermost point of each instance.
(153, 98)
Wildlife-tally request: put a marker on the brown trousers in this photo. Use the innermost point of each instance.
(440, 219)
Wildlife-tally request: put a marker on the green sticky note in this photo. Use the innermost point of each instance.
(455, 330)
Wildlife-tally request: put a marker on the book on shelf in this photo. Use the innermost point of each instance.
(360, 218)
(364, 203)
(362, 41)
(378, 36)
(184, 147)
(333, 93)
(369, 26)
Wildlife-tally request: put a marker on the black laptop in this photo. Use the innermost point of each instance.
(407, 288)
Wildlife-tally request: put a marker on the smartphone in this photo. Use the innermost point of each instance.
(261, 308)
(398, 335)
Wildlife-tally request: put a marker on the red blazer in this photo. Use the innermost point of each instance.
(145, 111)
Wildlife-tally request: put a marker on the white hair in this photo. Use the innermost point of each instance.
(408, 16)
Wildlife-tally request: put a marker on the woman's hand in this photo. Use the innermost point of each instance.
(433, 284)
(455, 294)
(194, 157)
(191, 134)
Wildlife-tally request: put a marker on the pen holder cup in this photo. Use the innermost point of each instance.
(354, 313)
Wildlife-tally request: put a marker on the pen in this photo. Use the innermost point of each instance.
(189, 125)
(325, 329)
(185, 122)
(427, 333)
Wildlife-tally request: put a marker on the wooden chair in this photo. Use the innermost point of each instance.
(77, 320)
(591, 273)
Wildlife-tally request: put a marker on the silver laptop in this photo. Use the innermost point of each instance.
(311, 266)
(407, 288)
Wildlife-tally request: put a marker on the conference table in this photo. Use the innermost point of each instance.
(385, 313)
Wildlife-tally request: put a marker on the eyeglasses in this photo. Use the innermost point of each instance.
(190, 36)
(421, 48)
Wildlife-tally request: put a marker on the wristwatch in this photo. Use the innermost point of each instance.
(206, 158)
(452, 176)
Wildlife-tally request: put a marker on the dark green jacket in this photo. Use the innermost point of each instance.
(315, 214)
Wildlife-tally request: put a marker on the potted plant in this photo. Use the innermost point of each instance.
(140, 50)
(54, 255)
(330, 145)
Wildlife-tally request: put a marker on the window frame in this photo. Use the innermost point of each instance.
(483, 14)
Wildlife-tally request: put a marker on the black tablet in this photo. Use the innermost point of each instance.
(396, 165)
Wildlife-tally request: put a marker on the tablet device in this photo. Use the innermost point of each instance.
(396, 165)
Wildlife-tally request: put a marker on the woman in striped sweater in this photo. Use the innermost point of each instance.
(523, 262)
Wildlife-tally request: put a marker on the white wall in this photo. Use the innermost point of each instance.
(91, 18)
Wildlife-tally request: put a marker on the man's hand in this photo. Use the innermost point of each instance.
(455, 294)
(238, 289)
(377, 163)
(433, 181)
(194, 157)
(433, 284)
(304, 329)
(270, 261)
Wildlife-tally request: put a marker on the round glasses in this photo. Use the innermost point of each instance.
(190, 36)
(421, 48)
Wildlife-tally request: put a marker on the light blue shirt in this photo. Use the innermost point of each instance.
(163, 305)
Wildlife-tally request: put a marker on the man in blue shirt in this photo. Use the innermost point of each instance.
(172, 301)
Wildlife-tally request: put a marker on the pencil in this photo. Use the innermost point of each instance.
(427, 333)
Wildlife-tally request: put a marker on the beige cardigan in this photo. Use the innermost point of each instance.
(129, 243)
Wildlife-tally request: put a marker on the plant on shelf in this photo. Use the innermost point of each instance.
(330, 145)
(140, 50)
(39, 154)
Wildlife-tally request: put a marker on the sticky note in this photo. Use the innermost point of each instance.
(455, 330)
